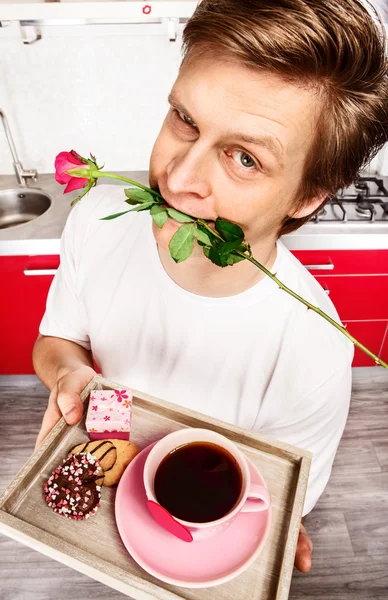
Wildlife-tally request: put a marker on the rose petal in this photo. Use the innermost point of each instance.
(75, 183)
(62, 177)
(63, 162)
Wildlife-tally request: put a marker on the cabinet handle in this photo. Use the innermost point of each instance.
(31, 272)
(325, 267)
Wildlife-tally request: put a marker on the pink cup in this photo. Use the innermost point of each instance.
(253, 497)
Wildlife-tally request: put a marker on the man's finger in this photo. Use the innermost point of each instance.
(50, 419)
(65, 400)
(69, 390)
(303, 551)
(303, 533)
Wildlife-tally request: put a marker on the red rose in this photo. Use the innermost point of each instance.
(65, 161)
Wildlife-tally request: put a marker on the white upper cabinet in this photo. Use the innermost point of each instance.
(107, 11)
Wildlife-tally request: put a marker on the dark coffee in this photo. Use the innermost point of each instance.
(198, 482)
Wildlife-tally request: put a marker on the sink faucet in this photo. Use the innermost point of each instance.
(21, 174)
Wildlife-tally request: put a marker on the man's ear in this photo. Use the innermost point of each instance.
(309, 208)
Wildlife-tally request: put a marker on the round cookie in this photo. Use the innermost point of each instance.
(103, 450)
(72, 489)
(126, 451)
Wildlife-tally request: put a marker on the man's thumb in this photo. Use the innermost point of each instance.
(70, 406)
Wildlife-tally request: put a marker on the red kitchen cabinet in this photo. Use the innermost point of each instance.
(384, 347)
(25, 283)
(357, 283)
(358, 297)
(370, 334)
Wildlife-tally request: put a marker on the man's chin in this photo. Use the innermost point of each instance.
(164, 234)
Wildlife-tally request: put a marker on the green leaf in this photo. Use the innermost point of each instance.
(221, 253)
(202, 236)
(179, 216)
(132, 201)
(229, 231)
(234, 258)
(206, 251)
(110, 217)
(216, 257)
(159, 214)
(182, 242)
(144, 206)
(136, 196)
(226, 248)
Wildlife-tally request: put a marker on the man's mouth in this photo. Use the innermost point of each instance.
(167, 204)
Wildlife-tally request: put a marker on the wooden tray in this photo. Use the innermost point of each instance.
(94, 547)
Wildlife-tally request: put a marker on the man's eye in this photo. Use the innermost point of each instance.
(184, 118)
(244, 160)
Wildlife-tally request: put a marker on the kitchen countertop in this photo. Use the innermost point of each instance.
(42, 235)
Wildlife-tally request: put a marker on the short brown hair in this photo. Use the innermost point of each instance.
(334, 47)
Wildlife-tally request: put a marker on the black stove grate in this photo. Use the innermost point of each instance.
(364, 198)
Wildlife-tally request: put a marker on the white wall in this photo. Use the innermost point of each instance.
(96, 88)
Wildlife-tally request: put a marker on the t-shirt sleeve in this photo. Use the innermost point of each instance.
(317, 423)
(63, 315)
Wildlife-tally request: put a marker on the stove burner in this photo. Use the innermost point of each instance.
(363, 187)
(364, 205)
(363, 181)
(365, 209)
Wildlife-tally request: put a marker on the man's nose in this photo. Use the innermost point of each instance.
(188, 172)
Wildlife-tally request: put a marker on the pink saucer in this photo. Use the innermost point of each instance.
(200, 564)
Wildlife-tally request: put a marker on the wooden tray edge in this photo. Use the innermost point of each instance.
(286, 570)
(35, 538)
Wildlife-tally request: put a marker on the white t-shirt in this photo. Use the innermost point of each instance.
(259, 359)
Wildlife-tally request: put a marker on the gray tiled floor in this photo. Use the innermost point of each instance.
(349, 525)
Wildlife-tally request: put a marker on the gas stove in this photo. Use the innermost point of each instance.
(364, 202)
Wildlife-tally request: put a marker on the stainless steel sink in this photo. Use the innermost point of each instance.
(22, 205)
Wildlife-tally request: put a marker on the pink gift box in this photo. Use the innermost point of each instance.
(109, 414)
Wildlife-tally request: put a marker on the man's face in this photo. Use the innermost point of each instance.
(204, 163)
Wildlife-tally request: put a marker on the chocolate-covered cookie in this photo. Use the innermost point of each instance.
(72, 489)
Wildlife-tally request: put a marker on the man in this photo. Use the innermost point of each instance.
(276, 106)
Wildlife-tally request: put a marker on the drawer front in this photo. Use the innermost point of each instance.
(343, 262)
(358, 298)
(27, 280)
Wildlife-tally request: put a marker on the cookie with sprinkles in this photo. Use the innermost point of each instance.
(72, 490)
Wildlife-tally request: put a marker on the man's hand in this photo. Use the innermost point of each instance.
(304, 550)
(65, 400)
